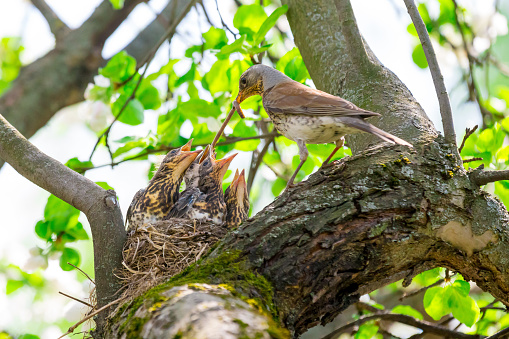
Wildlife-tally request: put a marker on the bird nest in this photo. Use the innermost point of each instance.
(157, 251)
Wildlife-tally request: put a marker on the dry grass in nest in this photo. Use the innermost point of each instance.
(156, 252)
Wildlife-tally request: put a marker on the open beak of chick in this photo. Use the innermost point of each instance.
(184, 159)
(187, 146)
(222, 165)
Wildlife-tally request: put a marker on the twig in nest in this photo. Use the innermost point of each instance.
(468, 132)
(73, 327)
(76, 299)
(86, 275)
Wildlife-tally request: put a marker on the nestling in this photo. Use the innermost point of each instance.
(306, 115)
(153, 202)
(205, 202)
(236, 198)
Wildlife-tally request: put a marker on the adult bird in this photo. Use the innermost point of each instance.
(306, 115)
(236, 198)
(205, 202)
(152, 203)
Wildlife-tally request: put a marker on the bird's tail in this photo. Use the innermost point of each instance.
(367, 127)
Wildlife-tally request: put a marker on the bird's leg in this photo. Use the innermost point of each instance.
(303, 153)
(339, 144)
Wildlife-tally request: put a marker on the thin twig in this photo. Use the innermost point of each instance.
(404, 319)
(79, 269)
(229, 141)
(472, 159)
(56, 25)
(420, 290)
(76, 299)
(438, 79)
(468, 133)
(73, 327)
(224, 23)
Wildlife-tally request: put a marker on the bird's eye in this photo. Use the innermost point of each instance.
(243, 81)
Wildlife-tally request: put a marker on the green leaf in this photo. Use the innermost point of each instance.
(268, 24)
(117, 4)
(104, 185)
(77, 232)
(99, 93)
(78, 165)
(463, 306)
(278, 186)
(462, 287)
(249, 19)
(215, 38)
(419, 57)
(502, 191)
(59, 215)
(293, 66)
(200, 108)
(256, 50)
(236, 46)
(436, 302)
(366, 331)
(148, 95)
(42, 230)
(119, 68)
(69, 255)
(407, 310)
(217, 78)
(28, 336)
(13, 285)
(490, 139)
(132, 115)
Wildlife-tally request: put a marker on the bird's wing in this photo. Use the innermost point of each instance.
(185, 202)
(299, 99)
(133, 203)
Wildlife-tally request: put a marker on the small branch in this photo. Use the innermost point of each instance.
(483, 177)
(229, 141)
(468, 133)
(472, 159)
(56, 25)
(438, 79)
(76, 299)
(411, 294)
(235, 35)
(73, 327)
(404, 319)
(501, 334)
(83, 272)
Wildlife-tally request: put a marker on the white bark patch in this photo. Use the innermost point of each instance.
(461, 236)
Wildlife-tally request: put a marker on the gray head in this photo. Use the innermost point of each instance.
(257, 79)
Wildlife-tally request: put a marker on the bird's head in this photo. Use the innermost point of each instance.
(213, 176)
(257, 79)
(192, 175)
(237, 201)
(176, 162)
(240, 190)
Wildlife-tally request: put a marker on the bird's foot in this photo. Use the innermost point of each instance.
(328, 164)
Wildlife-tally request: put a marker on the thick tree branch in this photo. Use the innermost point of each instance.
(56, 25)
(438, 79)
(100, 206)
(484, 177)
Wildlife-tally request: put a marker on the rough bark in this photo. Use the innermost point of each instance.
(59, 78)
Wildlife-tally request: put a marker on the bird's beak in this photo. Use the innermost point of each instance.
(223, 164)
(187, 146)
(236, 175)
(241, 183)
(240, 97)
(185, 160)
(205, 154)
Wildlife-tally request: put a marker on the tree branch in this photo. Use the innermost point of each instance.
(438, 79)
(404, 319)
(56, 25)
(483, 177)
(100, 206)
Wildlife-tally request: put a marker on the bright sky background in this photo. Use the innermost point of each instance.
(382, 22)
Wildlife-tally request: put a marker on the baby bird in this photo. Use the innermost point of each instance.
(192, 175)
(153, 202)
(237, 201)
(306, 115)
(205, 202)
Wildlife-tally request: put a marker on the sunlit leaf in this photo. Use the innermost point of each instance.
(69, 255)
(268, 24)
(13, 285)
(215, 38)
(366, 331)
(419, 57)
(248, 19)
(117, 4)
(436, 302)
(119, 68)
(133, 113)
(407, 310)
